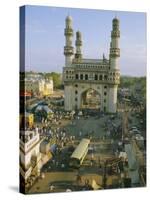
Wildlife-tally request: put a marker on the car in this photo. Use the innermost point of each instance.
(135, 131)
(134, 127)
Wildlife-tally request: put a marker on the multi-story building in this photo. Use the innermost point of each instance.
(26, 120)
(48, 87)
(38, 85)
(30, 155)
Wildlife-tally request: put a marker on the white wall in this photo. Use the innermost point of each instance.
(69, 98)
(114, 63)
(112, 101)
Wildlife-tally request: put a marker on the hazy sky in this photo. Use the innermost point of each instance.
(45, 37)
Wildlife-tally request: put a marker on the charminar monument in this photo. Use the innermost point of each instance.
(81, 75)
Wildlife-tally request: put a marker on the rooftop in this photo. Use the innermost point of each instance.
(94, 61)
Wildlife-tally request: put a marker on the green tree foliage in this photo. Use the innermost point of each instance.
(134, 83)
(127, 81)
(56, 78)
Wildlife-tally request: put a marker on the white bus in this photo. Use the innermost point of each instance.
(79, 154)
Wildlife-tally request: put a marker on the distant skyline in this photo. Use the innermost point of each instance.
(45, 40)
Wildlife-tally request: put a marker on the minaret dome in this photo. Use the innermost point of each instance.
(115, 20)
(68, 18)
(69, 22)
(78, 33)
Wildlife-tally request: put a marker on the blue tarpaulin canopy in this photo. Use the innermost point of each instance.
(53, 148)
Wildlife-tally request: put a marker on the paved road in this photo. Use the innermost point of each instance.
(70, 181)
(86, 126)
(43, 184)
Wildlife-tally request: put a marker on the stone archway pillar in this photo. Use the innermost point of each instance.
(112, 104)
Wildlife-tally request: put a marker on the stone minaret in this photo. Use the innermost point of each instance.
(114, 72)
(78, 43)
(114, 48)
(68, 49)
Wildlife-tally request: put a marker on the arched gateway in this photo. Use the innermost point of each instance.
(85, 78)
(90, 99)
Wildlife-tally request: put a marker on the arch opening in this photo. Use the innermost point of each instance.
(90, 99)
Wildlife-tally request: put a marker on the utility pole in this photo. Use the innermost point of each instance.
(124, 121)
(104, 174)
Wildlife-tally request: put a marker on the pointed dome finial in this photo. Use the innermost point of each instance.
(115, 19)
(68, 18)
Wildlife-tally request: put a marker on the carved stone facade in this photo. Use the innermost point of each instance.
(101, 75)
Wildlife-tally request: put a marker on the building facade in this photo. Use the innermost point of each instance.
(48, 87)
(38, 85)
(34, 153)
(26, 120)
(81, 74)
(30, 155)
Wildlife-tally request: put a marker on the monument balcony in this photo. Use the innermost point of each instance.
(78, 43)
(115, 52)
(68, 32)
(91, 81)
(115, 33)
(114, 82)
(68, 50)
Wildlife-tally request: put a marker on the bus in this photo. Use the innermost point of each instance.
(79, 154)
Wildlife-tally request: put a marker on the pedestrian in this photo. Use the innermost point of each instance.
(92, 156)
(80, 133)
(51, 188)
(79, 179)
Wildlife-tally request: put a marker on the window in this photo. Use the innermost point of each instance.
(81, 76)
(105, 77)
(96, 77)
(76, 85)
(105, 93)
(76, 92)
(77, 76)
(86, 76)
(100, 77)
(76, 99)
(105, 86)
(104, 100)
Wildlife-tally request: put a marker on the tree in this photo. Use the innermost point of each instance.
(56, 79)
